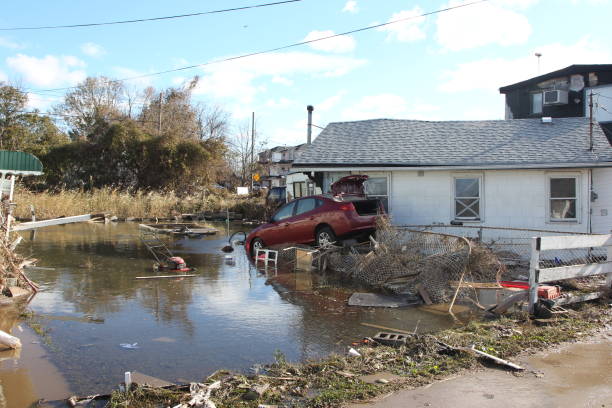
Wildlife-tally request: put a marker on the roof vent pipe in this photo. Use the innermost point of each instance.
(309, 108)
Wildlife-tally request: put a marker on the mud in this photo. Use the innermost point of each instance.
(573, 375)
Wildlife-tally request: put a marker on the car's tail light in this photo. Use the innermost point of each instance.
(347, 207)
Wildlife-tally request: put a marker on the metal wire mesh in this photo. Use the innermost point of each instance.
(513, 245)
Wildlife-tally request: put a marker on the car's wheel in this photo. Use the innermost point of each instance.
(325, 236)
(256, 244)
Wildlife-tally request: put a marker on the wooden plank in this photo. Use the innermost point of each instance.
(508, 302)
(573, 271)
(496, 359)
(609, 276)
(568, 300)
(424, 294)
(534, 265)
(575, 241)
(47, 223)
(164, 276)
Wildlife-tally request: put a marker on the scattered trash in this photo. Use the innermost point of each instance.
(353, 353)
(256, 392)
(200, 396)
(128, 380)
(376, 326)
(390, 339)
(129, 346)
(8, 341)
(164, 276)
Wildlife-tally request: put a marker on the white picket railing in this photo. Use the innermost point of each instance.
(538, 274)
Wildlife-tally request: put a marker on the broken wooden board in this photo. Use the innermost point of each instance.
(47, 223)
(16, 291)
(377, 300)
(377, 326)
(496, 359)
(424, 294)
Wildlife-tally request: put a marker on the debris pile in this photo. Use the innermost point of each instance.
(411, 262)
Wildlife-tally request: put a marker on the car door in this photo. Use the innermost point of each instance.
(280, 231)
(305, 220)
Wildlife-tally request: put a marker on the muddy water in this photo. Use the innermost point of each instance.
(228, 316)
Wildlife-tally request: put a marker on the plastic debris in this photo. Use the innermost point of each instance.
(353, 353)
(8, 341)
(129, 346)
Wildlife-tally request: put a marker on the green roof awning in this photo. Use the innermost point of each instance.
(20, 163)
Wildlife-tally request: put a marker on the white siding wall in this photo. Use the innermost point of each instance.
(511, 198)
(602, 207)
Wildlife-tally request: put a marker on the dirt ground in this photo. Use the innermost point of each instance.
(573, 375)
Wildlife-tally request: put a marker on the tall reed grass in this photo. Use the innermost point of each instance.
(125, 204)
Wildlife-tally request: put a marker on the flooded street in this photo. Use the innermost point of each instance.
(228, 316)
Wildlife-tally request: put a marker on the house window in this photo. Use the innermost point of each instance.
(563, 199)
(467, 198)
(536, 103)
(377, 187)
(299, 189)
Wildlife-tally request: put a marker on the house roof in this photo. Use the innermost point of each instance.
(567, 71)
(412, 143)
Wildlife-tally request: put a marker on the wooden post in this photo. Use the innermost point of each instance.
(534, 266)
(10, 209)
(609, 275)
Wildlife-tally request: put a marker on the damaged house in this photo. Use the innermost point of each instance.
(542, 173)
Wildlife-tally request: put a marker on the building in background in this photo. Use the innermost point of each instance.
(565, 93)
(277, 164)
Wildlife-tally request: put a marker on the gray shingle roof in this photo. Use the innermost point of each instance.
(389, 142)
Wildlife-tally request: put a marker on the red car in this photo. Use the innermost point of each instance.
(320, 219)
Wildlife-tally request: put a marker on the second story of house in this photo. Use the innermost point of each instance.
(278, 159)
(564, 93)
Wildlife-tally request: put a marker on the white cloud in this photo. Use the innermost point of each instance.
(50, 70)
(3, 77)
(492, 73)
(42, 102)
(93, 50)
(343, 43)
(282, 80)
(331, 102)
(392, 106)
(237, 80)
(351, 7)
(6, 43)
(409, 30)
(376, 107)
(482, 24)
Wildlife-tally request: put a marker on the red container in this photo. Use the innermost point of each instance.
(548, 292)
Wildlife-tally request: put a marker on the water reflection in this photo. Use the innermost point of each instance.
(228, 316)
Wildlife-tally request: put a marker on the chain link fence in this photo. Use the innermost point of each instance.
(513, 245)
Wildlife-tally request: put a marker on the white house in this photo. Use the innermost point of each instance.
(521, 173)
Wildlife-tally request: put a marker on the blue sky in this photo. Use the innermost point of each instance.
(442, 67)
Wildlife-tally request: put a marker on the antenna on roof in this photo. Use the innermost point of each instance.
(538, 55)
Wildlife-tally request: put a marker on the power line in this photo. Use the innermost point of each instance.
(293, 45)
(140, 20)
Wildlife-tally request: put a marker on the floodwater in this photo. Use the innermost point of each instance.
(230, 315)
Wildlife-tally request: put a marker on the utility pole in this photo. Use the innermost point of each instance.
(538, 55)
(159, 114)
(591, 121)
(252, 149)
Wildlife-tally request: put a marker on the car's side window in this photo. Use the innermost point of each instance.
(319, 203)
(284, 212)
(305, 205)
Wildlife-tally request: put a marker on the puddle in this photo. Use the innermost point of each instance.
(228, 316)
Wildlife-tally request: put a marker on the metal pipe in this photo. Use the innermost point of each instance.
(309, 108)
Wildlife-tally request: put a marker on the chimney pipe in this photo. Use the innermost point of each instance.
(309, 108)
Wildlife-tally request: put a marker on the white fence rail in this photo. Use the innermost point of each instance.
(542, 274)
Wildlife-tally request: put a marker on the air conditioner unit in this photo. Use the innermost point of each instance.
(556, 97)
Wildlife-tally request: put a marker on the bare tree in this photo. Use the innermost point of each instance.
(213, 121)
(244, 148)
(93, 102)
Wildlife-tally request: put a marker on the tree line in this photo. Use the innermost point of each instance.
(105, 133)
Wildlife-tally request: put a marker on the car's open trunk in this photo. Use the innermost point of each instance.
(367, 206)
